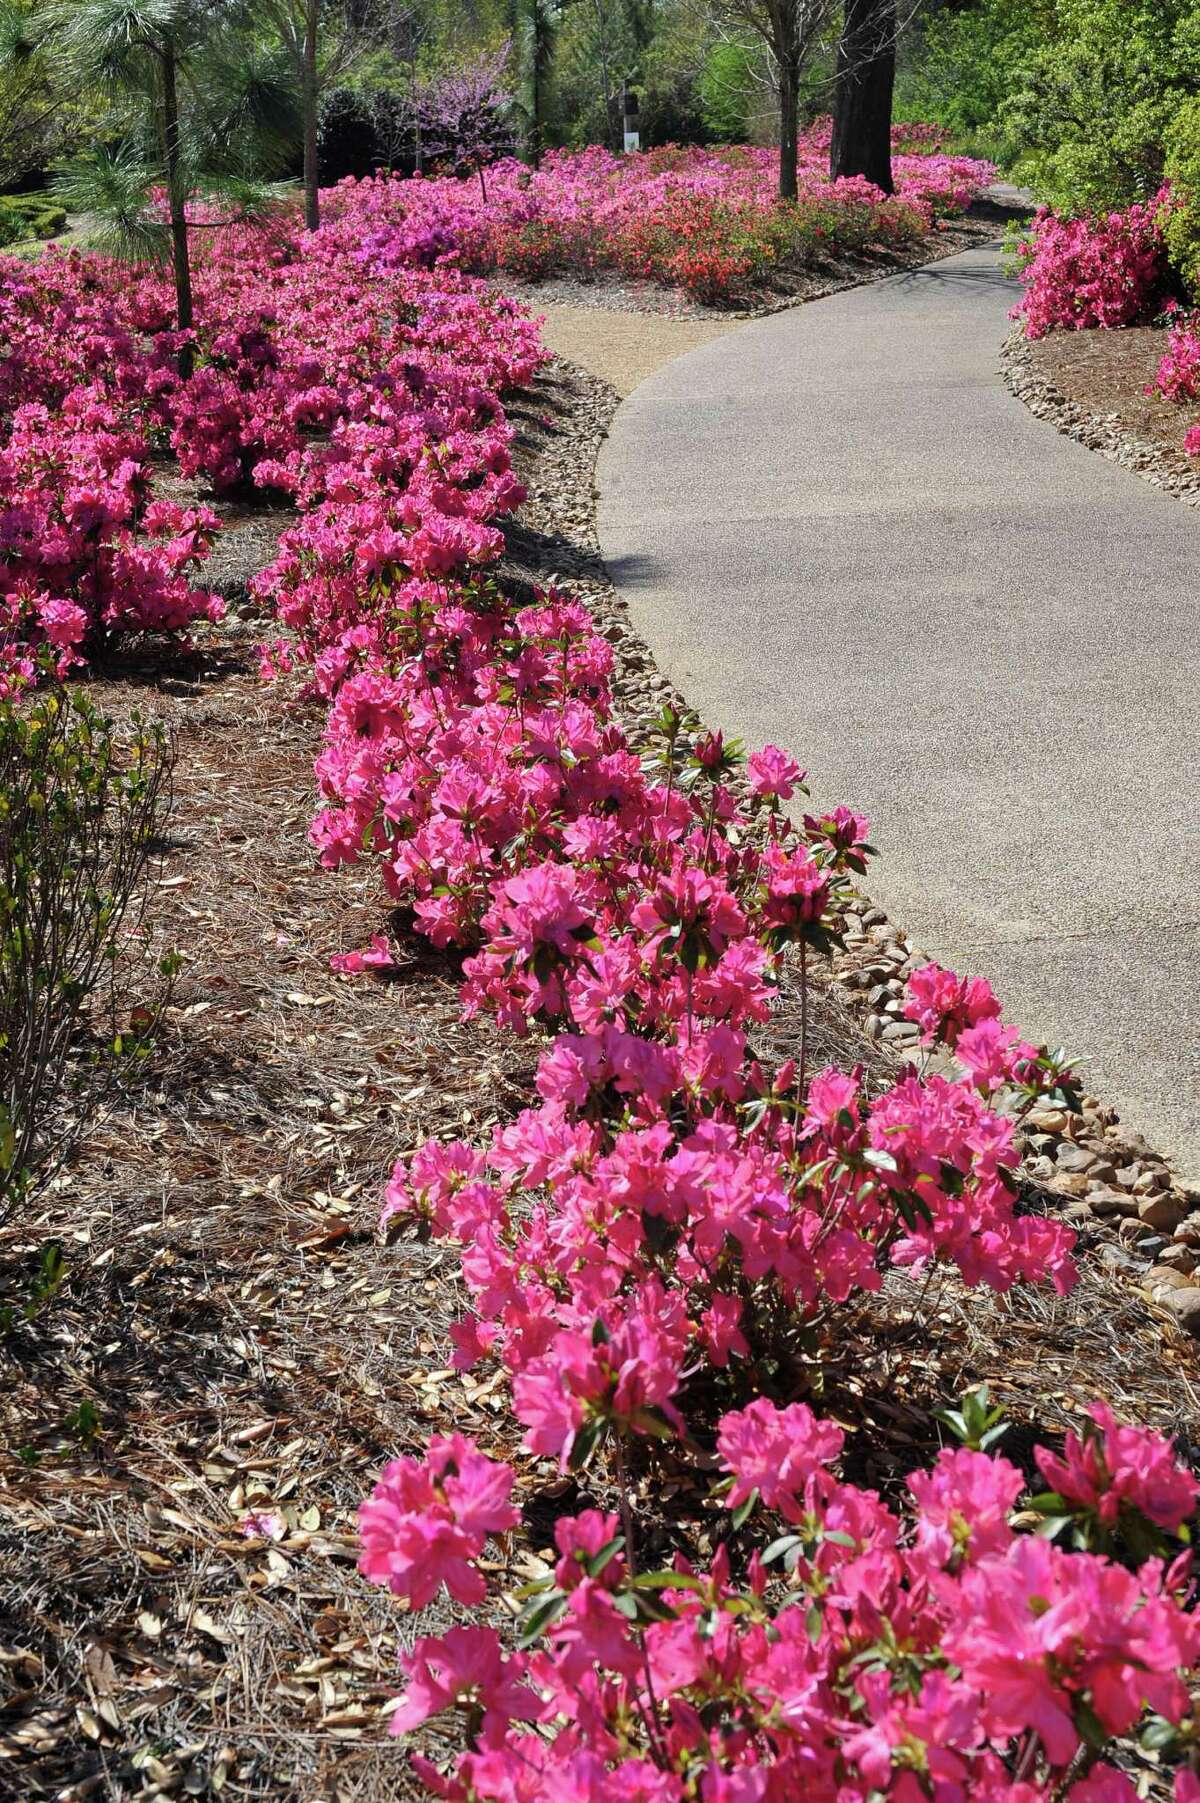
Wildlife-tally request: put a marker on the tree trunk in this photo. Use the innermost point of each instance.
(789, 83)
(312, 201)
(862, 110)
(536, 25)
(177, 204)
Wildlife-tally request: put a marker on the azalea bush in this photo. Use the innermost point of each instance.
(289, 344)
(649, 1245)
(707, 221)
(1106, 270)
(1177, 377)
(834, 1647)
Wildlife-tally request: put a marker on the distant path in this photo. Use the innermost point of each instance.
(838, 530)
(622, 348)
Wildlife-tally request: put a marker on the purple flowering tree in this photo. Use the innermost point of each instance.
(465, 116)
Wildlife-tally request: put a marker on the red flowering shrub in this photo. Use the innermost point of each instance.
(708, 221)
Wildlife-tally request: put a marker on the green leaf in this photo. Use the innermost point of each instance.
(1158, 1735)
(607, 1552)
(1090, 1726)
(585, 1444)
(778, 1548)
(535, 1621)
(1049, 1502)
(744, 1510)
(667, 1580)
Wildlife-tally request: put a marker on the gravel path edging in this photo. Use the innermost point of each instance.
(1100, 432)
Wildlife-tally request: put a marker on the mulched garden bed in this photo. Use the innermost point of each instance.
(1092, 386)
(246, 1343)
(789, 287)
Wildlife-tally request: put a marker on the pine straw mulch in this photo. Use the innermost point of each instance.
(246, 1343)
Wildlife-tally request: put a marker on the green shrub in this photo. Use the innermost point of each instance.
(82, 810)
(25, 216)
(1182, 230)
(1076, 97)
(726, 92)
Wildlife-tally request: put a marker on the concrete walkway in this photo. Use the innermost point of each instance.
(838, 531)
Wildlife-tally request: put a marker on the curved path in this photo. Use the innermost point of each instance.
(838, 531)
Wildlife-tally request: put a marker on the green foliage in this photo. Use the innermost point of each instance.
(1094, 104)
(81, 811)
(195, 105)
(1077, 97)
(40, 1286)
(41, 115)
(977, 1422)
(24, 216)
(959, 65)
(1183, 168)
(726, 92)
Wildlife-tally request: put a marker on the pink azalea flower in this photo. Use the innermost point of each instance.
(425, 1522)
(1116, 1467)
(464, 1666)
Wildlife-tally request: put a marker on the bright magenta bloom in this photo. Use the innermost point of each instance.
(1121, 1467)
(425, 1523)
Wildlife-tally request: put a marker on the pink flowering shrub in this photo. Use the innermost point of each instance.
(1102, 271)
(1178, 375)
(668, 1217)
(707, 221)
(85, 551)
(668, 1214)
(315, 358)
(926, 1651)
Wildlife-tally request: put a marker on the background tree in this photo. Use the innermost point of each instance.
(465, 116)
(35, 112)
(321, 39)
(791, 31)
(725, 88)
(862, 107)
(198, 109)
(535, 34)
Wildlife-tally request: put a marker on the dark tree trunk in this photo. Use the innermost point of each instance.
(538, 27)
(312, 202)
(789, 84)
(177, 206)
(862, 110)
